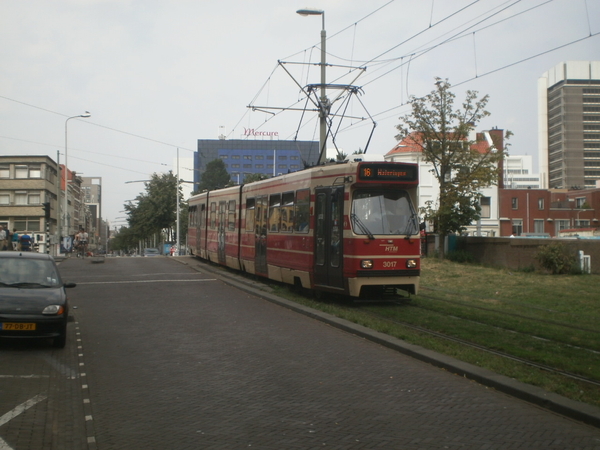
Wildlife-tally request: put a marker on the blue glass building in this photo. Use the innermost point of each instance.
(243, 157)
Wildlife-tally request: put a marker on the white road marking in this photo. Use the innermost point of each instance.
(60, 368)
(21, 408)
(24, 376)
(143, 281)
(15, 412)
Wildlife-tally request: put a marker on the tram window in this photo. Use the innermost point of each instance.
(192, 216)
(202, 216)
(287, 212)
(213, 215)
(301, 211)
(231, 215)
(221, 218)
(274, 212)
(250, 214)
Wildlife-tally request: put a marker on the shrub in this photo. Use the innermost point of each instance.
(527, 269)
(556, 258)
(460, 256)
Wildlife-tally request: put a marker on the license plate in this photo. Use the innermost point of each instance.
(18, 326)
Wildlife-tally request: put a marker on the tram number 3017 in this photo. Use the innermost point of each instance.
(389, 264)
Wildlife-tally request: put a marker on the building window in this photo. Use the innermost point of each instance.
(579, 202)
(517, 227)
(35, 172)
(4, 199)
(515, 203)
(485, 203)
(561, 225)
(21, 172)
(259, 157)
(235, 156)
(259, 166)
(4, 171)
(34, 199)
(248, 157)
(541, 204)
(27, 224)
(538, 225)
(582, 223)
(20, 198)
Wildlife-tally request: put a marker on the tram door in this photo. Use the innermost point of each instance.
(260, 235)
(221, 232)
(329, 221)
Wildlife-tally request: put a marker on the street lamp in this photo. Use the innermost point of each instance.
(85, 115)
(324, 103)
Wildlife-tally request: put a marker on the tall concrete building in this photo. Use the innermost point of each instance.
(569, 125)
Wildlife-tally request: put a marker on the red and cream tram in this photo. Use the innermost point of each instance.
(345, 228)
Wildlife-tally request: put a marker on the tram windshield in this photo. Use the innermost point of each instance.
(383, 212)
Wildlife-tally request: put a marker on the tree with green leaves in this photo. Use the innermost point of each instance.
(155, 213)
(254, 177)
(461, 167)
(214, 177)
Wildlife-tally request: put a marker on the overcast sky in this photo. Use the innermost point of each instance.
(159, 75)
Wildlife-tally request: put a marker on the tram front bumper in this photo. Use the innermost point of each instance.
(406, 283)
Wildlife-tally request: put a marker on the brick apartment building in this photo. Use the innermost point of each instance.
(543, 211)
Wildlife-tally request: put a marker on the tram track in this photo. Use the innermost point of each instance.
(485, 349)
(497, 311)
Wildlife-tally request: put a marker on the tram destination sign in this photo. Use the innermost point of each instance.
(387, 172)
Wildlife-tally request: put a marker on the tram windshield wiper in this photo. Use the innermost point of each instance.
(356, 221)
(412, 227)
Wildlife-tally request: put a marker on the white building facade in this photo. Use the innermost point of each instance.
(429, 188)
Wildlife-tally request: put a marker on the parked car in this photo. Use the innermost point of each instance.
(33, 299)
(151, 252)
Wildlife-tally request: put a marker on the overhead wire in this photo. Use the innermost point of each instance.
(97, 124)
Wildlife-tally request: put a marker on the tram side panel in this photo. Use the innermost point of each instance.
(221, 236)
(275, 236)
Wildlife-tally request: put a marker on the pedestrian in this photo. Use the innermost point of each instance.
(3, 237)
(25, 241)
(15, 240)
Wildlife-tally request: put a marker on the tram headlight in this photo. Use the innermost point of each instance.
(411, 263)
(366, 264)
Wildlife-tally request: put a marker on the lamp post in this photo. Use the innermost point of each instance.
(324, 103)
(85, 115)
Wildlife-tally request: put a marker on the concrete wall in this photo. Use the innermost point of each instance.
(519, 253)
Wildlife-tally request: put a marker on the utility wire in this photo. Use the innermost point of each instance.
(97, 124)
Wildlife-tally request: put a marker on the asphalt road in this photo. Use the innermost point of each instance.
(163, 355)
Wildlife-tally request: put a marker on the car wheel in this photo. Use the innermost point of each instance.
(61, 340)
